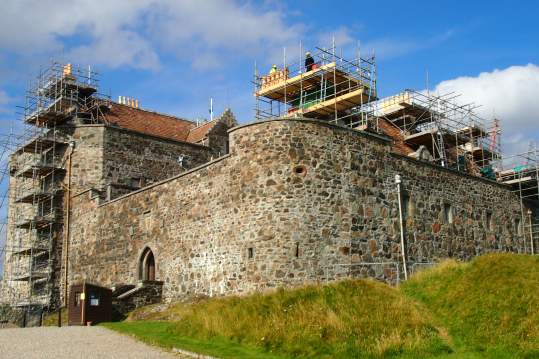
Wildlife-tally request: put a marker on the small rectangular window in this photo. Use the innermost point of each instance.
(250, 253)
(135, 182)
(77, 299)
(405, 205)
(94, 299)
(296, 250)
(489, 221)
(518, 228)
(448, 213)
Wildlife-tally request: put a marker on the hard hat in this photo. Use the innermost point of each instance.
(307, 54)
(274, 66)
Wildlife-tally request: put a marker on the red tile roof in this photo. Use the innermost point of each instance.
(136, 119)
(197, 134)
(397, 136)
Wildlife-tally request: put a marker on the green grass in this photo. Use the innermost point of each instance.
(484, 309)
(490, 306)
(358, 318)
(163, 334)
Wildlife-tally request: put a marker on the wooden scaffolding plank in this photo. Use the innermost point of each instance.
(338, 103)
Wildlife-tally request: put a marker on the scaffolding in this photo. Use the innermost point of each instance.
(334, 89)
(344, 92)
(521, 172)
(436, 128)
(61, 95)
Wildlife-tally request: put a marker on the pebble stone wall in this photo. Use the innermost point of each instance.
(296, 201)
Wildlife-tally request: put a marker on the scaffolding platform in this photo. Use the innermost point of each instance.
(403, 110)
(428, 138)
(38, 168)
(66, 83)
(307, 80)
(28, 304)
(473, 131)
(31, 250)
(34, 195)
(39, 144)
(336, 104)
(34, 222)
(25, 277)
(59, 111)
(520, 175)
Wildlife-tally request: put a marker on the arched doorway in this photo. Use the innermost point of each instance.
(147, 266)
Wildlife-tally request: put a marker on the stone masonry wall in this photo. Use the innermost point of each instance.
(296, 201)
(129, 155)
(105, 154)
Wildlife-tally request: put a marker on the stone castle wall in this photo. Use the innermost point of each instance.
(296, 201)
(103, 157)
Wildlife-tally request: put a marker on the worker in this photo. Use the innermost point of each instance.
(273, 70)
(309, 61)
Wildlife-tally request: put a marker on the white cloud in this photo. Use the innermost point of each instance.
(210, 33)
(341, 36)
(133, 32)
(388, 48)
(512, 94)
(6, 102)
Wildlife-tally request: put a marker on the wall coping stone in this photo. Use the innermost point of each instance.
(170, 179)
(314, 121)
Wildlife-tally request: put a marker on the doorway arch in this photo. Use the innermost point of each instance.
(146, 266)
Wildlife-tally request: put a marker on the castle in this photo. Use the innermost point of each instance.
(121, 197)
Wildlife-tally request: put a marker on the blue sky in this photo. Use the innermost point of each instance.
(174, 55)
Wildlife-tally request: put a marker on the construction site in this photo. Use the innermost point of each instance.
(108, 193)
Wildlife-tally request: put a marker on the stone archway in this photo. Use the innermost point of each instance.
(147, 266)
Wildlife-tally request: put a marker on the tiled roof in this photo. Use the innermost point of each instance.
(395, 134)
(150, 122)
(196, 134)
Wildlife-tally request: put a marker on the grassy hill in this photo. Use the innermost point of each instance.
(490, 306)
(484, 309)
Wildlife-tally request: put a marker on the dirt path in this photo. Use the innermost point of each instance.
(74, 342)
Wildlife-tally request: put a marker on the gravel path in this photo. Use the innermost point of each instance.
(74, 342)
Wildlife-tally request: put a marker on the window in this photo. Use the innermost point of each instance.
(77, 299)
(148, 219)
(518, 228)
(405, 205)
(296, 250)
(489, 221)
(94, 298)
(448, 213)
(135, 182)
(250, 253)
